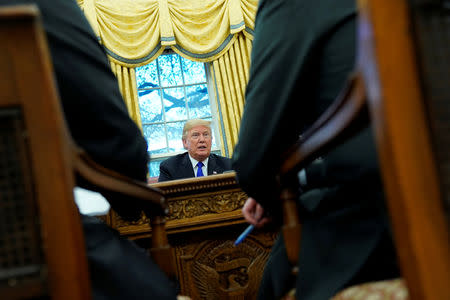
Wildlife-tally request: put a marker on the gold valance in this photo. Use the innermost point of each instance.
(134, 32)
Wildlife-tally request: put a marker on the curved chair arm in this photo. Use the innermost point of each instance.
(112, 181)
(346, 116)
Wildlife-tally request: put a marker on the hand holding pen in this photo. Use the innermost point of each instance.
(253, 213)
(244, 234)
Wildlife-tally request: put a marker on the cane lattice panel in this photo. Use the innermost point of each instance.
(20, 252)
(432, 29)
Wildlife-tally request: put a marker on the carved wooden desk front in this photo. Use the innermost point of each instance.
(203, 223)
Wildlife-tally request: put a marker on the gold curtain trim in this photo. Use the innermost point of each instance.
(126, 77)
(135, 32)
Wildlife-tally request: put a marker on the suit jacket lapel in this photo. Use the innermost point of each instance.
(186, 167)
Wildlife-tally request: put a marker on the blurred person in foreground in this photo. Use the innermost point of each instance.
(303, 52)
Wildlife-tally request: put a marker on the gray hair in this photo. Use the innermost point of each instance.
(193, 123)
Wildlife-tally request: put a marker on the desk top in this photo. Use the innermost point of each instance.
(194, 204)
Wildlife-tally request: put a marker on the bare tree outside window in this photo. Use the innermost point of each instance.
(171, 90)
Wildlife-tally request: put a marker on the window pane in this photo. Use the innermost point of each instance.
(174, 133)
(170, 70)
(174, 104)
(146, 76)
(153, 168)
(198, 101)
(150, 106)
(194, 72)
(166, 103)
(156, 138)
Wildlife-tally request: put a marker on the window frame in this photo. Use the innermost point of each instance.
(216, 118)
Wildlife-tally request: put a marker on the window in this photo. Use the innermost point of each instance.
(172, 90)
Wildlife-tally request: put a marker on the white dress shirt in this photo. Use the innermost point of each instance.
(195, 167)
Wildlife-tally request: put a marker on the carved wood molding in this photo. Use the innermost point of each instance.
(215, 269)
(203, 222)
(210, 201)
(191, 186)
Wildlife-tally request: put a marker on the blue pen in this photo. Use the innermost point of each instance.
(244, 234)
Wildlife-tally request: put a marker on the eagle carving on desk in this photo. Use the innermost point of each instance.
(230, 273)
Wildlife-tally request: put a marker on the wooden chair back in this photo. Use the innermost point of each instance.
(42, 249)
(405, 61)
(402, 79)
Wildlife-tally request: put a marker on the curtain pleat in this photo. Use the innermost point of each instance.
(219, 96)
(240, 66)
(135, 32)
(246, 51)
(126, 78)
(231, 75)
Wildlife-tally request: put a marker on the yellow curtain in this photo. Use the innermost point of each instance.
(135, 32)
(126, 78)
(231, 75)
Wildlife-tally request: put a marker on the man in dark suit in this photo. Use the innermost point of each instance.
(303, 51)
(198, 160)
(98, 121)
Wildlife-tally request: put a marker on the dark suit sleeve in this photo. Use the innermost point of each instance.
(225, 164)
(164, 173)
(218, 164)
(93, 106)
(284, 93)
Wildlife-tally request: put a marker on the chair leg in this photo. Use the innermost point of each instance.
(291, 225)
(161, 252)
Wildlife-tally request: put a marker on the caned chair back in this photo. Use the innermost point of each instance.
(42, 247)
(405, 61)
(401, 85)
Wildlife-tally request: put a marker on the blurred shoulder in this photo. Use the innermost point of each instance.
(215, 156)
(175, 159)
(222, 161)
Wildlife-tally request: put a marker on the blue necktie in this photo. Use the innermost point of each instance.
(199, 169)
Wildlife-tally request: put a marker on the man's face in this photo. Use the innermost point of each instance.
(198, 142)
